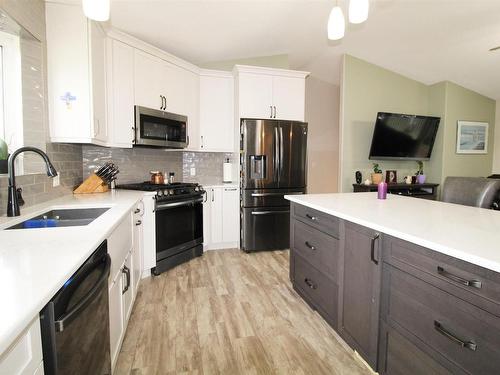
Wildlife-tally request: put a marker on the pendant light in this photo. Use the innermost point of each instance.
(358, 10)
(336, 24)
(97, 10)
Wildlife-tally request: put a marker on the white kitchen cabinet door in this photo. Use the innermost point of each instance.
(148, 80)
(120, 90)
(116, 326)
(207, 219)
(191, 109)
(68, 73)
(216, 214)
(149, 238)
(127, 290)
(255, 95)
(289, 98)
(230, 214)
(138, 248)
(217, 121)
(97, 51)
(25, 355)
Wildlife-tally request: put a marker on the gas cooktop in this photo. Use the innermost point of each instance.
(175, 190)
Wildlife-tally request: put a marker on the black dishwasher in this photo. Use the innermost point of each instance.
(75, 323)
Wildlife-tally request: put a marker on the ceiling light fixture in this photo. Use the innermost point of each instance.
(336, 24)
(97, 10)
(358, 10)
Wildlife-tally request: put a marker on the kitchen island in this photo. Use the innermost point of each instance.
(410, 284)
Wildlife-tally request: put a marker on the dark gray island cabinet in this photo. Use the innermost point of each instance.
(404, 308)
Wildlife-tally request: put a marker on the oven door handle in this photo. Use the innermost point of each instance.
(167, 206)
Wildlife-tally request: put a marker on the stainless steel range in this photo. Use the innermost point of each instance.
(179, 222)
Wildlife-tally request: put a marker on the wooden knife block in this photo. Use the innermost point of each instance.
(93, 184)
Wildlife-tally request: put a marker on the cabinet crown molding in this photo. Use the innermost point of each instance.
(270, 71)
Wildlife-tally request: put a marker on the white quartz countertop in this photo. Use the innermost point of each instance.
(468, 233)
(35, 263)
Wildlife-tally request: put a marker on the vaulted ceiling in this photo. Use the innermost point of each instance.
(428, 40)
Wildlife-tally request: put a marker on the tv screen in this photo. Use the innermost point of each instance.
(399, 136)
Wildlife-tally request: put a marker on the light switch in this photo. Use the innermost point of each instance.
(192, 171)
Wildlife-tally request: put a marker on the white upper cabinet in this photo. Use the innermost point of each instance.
(255, 95)
(120, 89)
(76, 76)
(217, 120)
(270, 93)
(148, 72)
(289, 98)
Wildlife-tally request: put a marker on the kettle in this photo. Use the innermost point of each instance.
(156, 177)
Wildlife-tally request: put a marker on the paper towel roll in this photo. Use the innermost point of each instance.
(227, 172)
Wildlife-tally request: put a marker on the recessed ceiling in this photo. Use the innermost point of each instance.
(427, 40)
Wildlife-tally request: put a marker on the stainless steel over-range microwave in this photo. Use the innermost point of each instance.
(160, 128)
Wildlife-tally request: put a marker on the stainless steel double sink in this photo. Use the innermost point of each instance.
(64, 217)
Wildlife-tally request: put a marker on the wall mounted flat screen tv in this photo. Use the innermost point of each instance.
(403, 137)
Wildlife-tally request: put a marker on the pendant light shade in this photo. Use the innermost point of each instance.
(336, 24)
(358, 10)
(97, 10)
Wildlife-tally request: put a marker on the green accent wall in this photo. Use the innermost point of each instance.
(367, 89)
(464, 104)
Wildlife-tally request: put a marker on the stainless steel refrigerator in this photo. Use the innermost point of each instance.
(273, 164)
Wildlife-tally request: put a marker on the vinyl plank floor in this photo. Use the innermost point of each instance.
(229, 312)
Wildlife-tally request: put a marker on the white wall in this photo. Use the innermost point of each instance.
(322, 115)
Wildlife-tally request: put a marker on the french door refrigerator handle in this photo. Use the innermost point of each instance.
(86, 300)
(281, 150)
(276, 161)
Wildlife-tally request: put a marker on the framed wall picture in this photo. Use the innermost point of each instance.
(472, 137)
(391, 177)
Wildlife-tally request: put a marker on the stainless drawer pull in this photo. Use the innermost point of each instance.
(372, 253)
(270, 212)
(464, 344)
(309, 245)
(310, 284)
(473, 283)
(313, 218)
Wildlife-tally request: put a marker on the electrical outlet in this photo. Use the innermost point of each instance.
(55, 181)
(193, 171)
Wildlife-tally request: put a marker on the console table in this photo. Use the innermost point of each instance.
(425, 191)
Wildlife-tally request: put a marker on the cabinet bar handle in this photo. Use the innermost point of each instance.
(473, 283)
(126, 271)
(310, 246)
(271, 107)
(464, 344)
(138, 222)
(137, 210)
(274, 111)
(310, 284)
(372, 253)
(313, 218)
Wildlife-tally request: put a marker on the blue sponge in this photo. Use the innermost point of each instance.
(40, 223)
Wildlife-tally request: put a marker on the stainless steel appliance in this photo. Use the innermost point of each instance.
(75, 323)
(273, 164)
(160, 128)
(179, 222)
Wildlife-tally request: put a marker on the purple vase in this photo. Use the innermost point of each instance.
(421, 178)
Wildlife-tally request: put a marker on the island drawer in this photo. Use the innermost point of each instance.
(320, 249)
(400, 356)
(318, 290)
(324, 222)
(475, 284)
(462, 333)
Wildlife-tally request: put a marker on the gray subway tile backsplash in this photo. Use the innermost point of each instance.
(76, 162)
